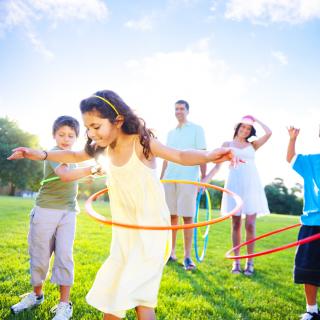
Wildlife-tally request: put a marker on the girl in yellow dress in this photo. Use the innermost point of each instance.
(131, 275)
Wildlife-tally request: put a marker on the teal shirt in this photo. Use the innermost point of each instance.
(189, 136)
(308, 166)
(57, 194)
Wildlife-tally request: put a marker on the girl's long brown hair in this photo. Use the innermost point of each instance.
(132, 123)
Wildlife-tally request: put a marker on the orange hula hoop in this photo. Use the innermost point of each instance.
(96, 216)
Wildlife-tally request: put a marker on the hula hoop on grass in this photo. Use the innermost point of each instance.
(195, 231)
(262, 253)
(96, 216)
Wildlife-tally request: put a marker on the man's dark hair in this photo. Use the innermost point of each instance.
(183, 102)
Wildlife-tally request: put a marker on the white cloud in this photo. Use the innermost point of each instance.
(40, 47)
(71, 9)
(21, 13)
(206, 82)
(26, 14)
(143, 24)
(214, 5)
(14, 13)
(218, 97)
(264, 71)
(280, 57)
(266, 11)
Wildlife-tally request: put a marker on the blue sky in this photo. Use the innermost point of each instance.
(227, 58)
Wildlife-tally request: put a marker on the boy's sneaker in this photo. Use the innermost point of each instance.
(310, 316)
(63, 311)
(29, 301)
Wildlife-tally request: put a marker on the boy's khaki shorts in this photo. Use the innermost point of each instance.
(51, 230)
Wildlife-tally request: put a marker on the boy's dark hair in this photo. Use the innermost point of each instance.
(66, 121)
(252, 132)
(183, 102)
(132, 124)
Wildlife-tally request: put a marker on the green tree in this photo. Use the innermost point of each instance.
(215, 195)
(284, 200)
(22, 174)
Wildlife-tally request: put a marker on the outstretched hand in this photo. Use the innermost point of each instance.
(293, 132)
(225, 154)
(26, 153)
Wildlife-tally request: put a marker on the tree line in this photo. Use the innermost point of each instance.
(281, 199)
(26, 175)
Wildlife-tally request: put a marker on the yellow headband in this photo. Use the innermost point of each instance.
(109, 103)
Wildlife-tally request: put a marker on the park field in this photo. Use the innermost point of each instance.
(210, 292)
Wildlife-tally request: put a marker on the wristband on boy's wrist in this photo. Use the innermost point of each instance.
(96, 169)
(45, 155)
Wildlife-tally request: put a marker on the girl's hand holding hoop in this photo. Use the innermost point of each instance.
(27, 153)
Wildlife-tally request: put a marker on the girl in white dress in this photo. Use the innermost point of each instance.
(130, 277)
(244, 180)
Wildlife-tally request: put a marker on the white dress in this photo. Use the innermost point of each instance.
(132, 273)
(244, 180)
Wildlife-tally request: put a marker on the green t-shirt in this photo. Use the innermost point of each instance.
(57, 194)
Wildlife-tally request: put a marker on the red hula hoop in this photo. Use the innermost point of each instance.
(262, 253)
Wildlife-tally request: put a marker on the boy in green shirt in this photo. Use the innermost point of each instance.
(52, 224)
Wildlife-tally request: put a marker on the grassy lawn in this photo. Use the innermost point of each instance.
(210, 292)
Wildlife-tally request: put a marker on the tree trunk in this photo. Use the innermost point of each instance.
(12, 189)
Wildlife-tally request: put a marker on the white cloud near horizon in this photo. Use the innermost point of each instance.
(187, 72)
(218, 95)
(270, 11)
(193, 74)
(211, 87)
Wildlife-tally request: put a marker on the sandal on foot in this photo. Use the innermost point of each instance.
(236, 269)
(171, 259)
(189, 264)
(249, 270)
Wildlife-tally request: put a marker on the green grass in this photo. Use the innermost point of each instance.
(210, 292)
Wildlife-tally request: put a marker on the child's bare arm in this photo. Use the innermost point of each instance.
(164, 167)
(65, 156)
(66, 174)
(293, 134)
(191, 157)
(215, 169)
(211, 174)
(203, 170)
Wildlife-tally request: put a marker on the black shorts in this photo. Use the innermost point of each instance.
(307, 259)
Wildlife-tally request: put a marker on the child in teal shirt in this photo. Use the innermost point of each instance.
(307, 260)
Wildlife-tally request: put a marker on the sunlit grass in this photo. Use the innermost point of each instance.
(210, 292)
